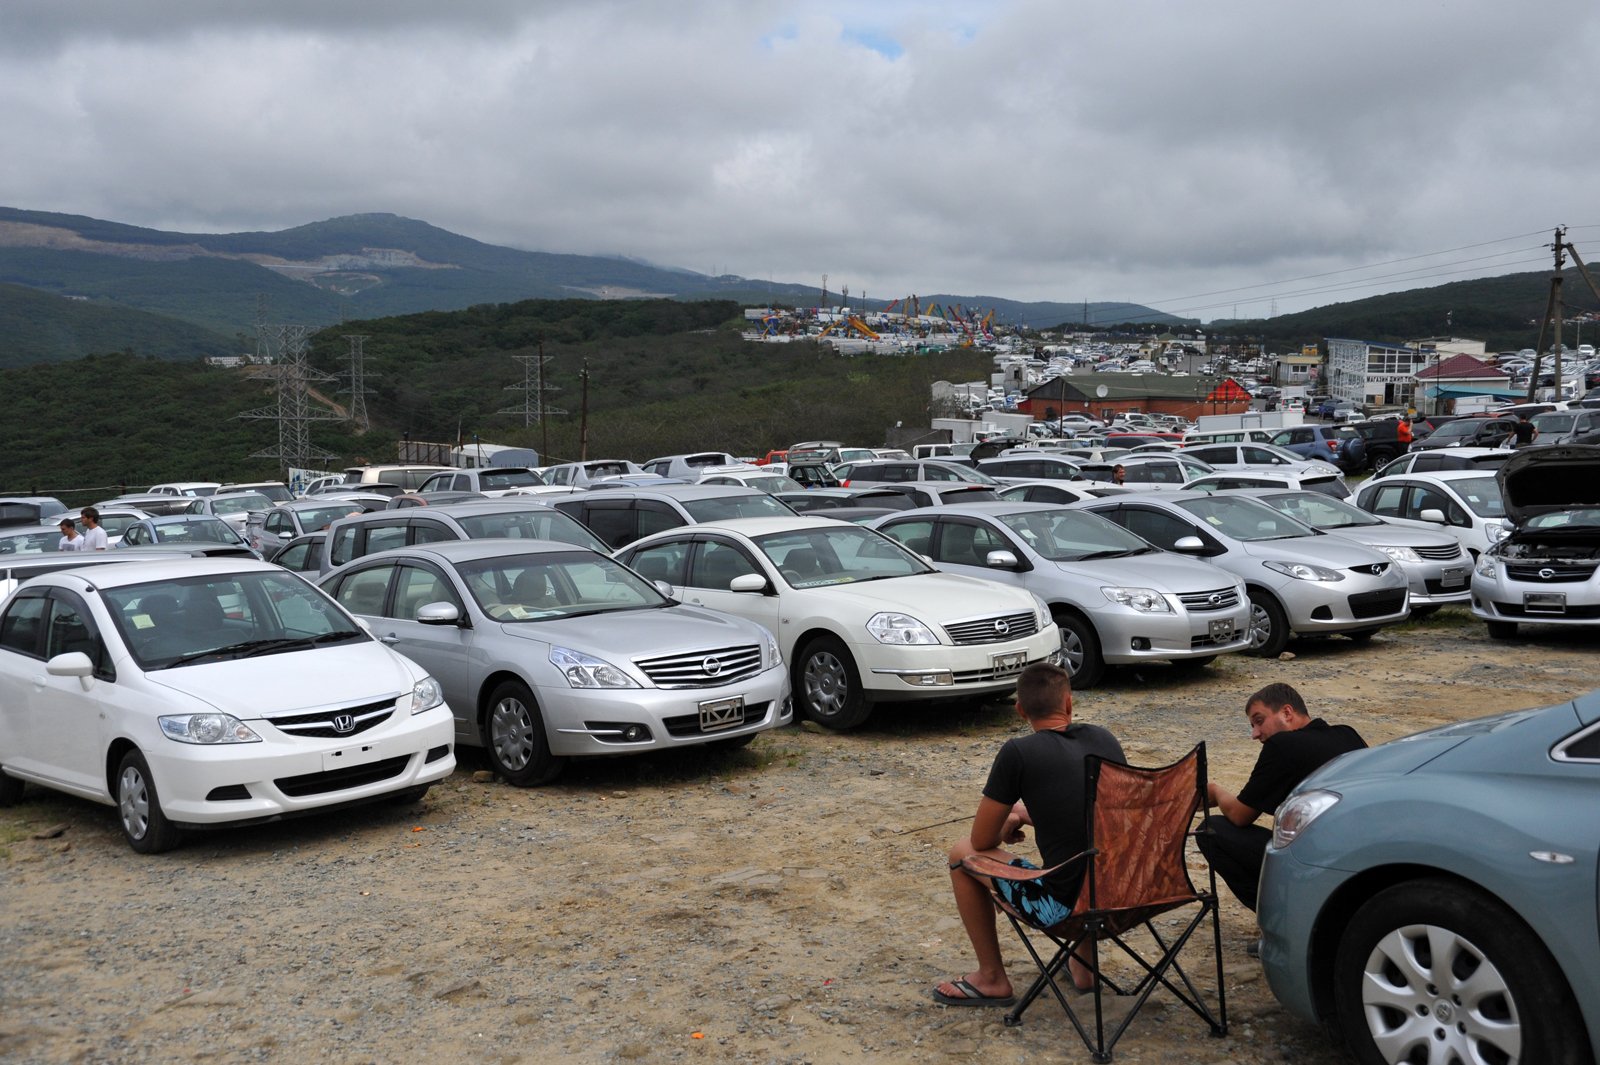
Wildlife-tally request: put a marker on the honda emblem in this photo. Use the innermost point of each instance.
(343, 723)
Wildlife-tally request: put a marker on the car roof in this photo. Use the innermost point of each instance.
(181, 564)
(182, 519)
(679, 491)
(470, 550)
(982, 506)
(752, 526)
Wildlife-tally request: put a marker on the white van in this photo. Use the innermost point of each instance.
(1228, 436)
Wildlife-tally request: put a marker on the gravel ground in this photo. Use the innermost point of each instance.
(784, 903)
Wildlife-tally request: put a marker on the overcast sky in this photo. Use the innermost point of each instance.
(1196, 157)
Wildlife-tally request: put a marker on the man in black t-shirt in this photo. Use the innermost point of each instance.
(1523, 431)
(1293, 744)
(1037, 780)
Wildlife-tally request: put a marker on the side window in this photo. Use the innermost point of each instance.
(363, 592)
(343, 547)
(915, 535)
(612, 523)
(417, 586)
(1388, 501)
(428, 531)
(1214, 456)
(1255, 456)
(654, 517)
(966, 544)
(1428, 460)
(295, 557)
(716, 564)
(276, 522)
(938, 473)
(381, 537)
(21, 625)
(70, 630)
(662, 562)
(1158, 528)
(134, 535)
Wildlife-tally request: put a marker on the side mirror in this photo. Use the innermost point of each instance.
(748, 582)
(72, 664)
(1434, 515)
(664, 588)
(1189, 543)
(1000, 560)
(439, 614)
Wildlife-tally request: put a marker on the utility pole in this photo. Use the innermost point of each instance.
(583, 420)
(1552, 317)
(824, 302)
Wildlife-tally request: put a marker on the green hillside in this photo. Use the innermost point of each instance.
(664, 376)
(39, 327)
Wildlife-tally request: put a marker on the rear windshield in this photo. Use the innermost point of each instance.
(754, 505)
(531, 525)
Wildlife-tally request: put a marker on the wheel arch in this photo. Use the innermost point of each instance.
(115, 752)
(490, 683)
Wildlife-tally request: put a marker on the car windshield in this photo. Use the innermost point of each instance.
(544, 587)
(1244, 519)
(188, 621)
(275, 492)
(774, 482)
(531, 525)
(958, 472)
(1558, 422)
(1585, 518)
(313, 518)
(497, 480)
(754, 505)
(1462, 427)
(195, 530)
(1481, 494)
(32, 542)
(241, 503)
(1320, 511)
(1074, 535)
(814, 558)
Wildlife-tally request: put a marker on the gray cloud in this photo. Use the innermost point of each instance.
(1020, 148)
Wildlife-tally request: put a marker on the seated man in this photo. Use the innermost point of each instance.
(1293, 743)
(1038, 780)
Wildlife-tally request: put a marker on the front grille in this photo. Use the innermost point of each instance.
(1517, 610)
(1377, 604)
(340, 779)
(319, 724)
(1212, 599)
(1198, 643)
(998, 629)
(1439, 554)
(1371, 570)
(689, 724)
(702, 669)
(1560, 572)
(1438, 587)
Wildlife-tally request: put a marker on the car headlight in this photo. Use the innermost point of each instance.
(1401, 554)
(774, 656)
(1495, 532)
(1144, 600)
(1487, 567)
(207, 728)
(1297, 813)
(1041, 612)
(900, 629)
(425, 695)
(1304, 571)
(587, 671)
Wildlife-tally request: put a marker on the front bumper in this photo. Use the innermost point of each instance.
(1291, 896)
(595, 721)
(1357, 602)
(1439, 583)
(897, 672)
(1503, 598)
(1127, 636)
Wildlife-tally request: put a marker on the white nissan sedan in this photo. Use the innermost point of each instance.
(859, 618)
(198, 692)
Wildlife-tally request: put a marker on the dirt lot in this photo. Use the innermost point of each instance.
(781, 904)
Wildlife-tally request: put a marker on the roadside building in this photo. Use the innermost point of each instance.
(1373, 373)
(1456, 377)
(1105, 395)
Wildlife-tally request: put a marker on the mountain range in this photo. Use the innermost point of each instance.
(212, 286)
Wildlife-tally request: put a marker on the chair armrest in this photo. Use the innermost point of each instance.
(995, 869)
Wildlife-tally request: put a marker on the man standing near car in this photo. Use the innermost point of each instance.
(1293, 744)
(94, 537)
(1522, 431)
(70, 540)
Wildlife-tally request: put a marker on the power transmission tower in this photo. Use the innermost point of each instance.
(293, 411)
(533, 389)
(263, 342)
(358, 383)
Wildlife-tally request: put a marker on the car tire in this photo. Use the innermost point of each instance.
(1499, 987)
(1361, 635)
(1080, 651)
(1502, 630)
(514, 737)
(10, 789)
(139, 807)
(827, 686)
(1269, 627)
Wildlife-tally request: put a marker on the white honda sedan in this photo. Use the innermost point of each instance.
(198, 692)
(859, 618)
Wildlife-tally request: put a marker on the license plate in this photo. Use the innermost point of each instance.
(1544, 602)
(721, 714)
(1003, 665)
(1453, 578)
(1221, 629)
(349, 756)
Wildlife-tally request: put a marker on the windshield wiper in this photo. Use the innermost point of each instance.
(251, 648)
(1120, 552)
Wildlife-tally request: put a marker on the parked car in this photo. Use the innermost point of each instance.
(1032, 467)
(29, 510)
(197, 692)
(756, 477)
(145, 503)
(1483, 459)
(811, 499)
(182, 529)
(29, 539)
(690, 467)
(547, 651)
(943, 493)
(1433, 899)
(1115, 599)
(1465, 432)
(1299, 580)
(883, 471)
(1149, 472)
(365, 534)
(1438, 569)
(1464, 503)
(233, 508)
(185, 488)
(1312, 441)
(439, 499)
(859, 618)
(1565, 426)
(1058, 491)
(1328, 483)
(621, 516)
(1545, 570)
(488, 481)
(405, 477)
(1254, 456)
(276, 491)
(269, 529)
(115, 521)
(303, 554)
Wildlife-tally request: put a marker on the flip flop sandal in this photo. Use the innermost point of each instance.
(971, 996)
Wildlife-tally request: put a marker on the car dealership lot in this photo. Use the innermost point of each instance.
(786, 901)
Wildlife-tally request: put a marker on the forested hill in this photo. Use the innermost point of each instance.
(39, 327)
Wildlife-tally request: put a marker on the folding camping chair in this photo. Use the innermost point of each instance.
(1138, 823)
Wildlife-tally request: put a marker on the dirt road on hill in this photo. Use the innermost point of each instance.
(772, 905)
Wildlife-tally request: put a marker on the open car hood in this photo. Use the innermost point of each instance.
(1539, 480)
